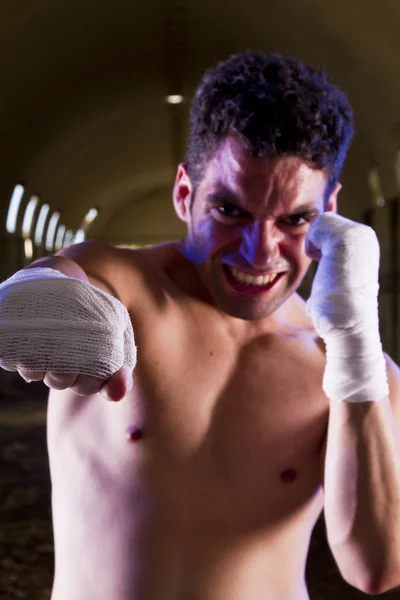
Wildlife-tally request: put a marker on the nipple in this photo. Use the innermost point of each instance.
(288, 475)
(133, 434)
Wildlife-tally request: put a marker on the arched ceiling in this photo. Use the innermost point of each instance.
(83, 120)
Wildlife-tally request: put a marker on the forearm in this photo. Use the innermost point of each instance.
(362, 492)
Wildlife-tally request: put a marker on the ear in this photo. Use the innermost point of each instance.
(182, 193)
(332, 202)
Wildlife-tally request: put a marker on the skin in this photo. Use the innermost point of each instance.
(205, 481)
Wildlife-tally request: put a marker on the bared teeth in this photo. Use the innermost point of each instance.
(246, 278)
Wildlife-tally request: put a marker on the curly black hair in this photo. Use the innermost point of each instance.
(275, 106)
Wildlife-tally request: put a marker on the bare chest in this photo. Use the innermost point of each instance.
(217, 442)
(246, 421)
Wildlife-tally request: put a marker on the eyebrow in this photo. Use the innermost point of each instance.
(223, 196)
(306, 208)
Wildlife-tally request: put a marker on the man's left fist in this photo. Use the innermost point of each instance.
(344, 308)
(345, 287)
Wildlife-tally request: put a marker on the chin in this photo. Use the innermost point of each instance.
(247, 310)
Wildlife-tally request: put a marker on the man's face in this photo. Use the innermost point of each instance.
(251, 215)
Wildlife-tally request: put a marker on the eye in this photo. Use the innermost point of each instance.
(229, 210)
(293, 220)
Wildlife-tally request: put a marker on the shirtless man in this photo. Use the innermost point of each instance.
(248, 411)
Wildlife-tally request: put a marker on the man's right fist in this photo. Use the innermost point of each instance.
(67, 333)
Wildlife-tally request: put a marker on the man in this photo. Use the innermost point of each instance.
(248, 411)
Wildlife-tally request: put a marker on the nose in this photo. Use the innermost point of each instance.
(260, 244)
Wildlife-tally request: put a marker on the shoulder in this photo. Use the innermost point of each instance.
(125, 273)
(111, 269)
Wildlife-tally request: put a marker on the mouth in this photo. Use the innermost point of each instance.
(243, 284)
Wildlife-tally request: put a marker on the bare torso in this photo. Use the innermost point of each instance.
(218, 498)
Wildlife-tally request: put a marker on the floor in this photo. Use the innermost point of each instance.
(26, 542)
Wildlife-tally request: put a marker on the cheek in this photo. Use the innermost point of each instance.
(294, 247)
(214, 235)
(293, 250)
(301, 250)
(206, 240)
(303, 260)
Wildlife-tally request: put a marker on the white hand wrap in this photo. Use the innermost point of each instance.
(344, 308)
(51, 322)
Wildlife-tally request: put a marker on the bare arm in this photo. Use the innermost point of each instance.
(362, 489)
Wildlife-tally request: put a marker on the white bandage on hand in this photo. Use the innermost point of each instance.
(51, 322)
(344, 308)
